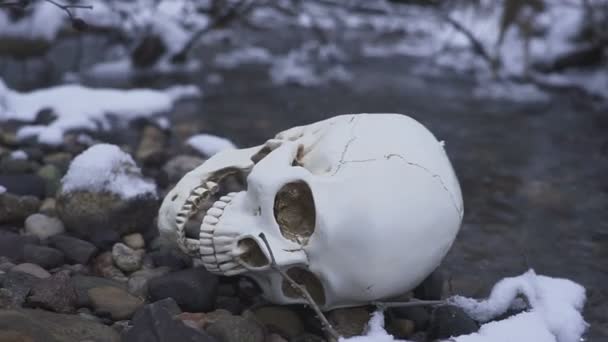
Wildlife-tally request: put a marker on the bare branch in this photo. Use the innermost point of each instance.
(67, 7)
(303, 291)
(411, 303)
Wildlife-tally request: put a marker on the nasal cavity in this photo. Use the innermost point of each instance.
(306, 279)
(252, 255)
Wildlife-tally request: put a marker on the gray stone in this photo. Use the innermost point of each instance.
(46, 257)
(52, 179)
(448, 320)
(138, 281)
(135, 241)
(155, 323)
(151, 149)
(48, 207)
(178, 166)
(43, 226)
(126, 258)
(11, 245)
(104, 266)
(24, 185)
(55, 293)
(19, 284)
(193, 289)
(38, 325)
(281, 320)
(236, 329)
(15, 208)
(76, 251)
(32, 269)
(83, 284)
(103, 218)
(116, 302)
(60, 159)
(172, 258)
(349, 322)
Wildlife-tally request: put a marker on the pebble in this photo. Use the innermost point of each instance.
(55, 293)
(151, 149)
(281, 320)
(135, 241)
(449, 320)
(349, 322)
(178, 166)
(39, 325)
(11, 245)
(52, 179)
(401, 328)
(60, 159)
(46, 257)
(83, 284)
(104, 266)
(43, 226)
(102, 217)
(138, 281)
(170, 257)
(19, 285)
(236, 329)
(193, 289)
(76, 251)
(116, 302)
(155, 323)
(32, 269)
(15, 208)
(126, 258)
(48, 207)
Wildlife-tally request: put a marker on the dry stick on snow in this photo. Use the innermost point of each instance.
(326, 325)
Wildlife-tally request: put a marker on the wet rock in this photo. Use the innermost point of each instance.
(417, 314)
(38, 325)
(126, 258)
(15, 208)
(24, 185)
(103, 217)
(83, 284)
(155, 323)
(46, 257)
(201, 320)
(172, 258)
(12, 245)
(400, 328)
(448, 320)
(16, 166)
(52, 179)
(138, 281)
(104, 266)
(193, 289)
(55, 293)
(236, 329)
(135, 241)
(60, 159)
(431, 288)
(151, 149)
(178, 166)
(75, 250)
(43, 226)
(116, 302)
(19, 285)
(281, 320)
(32, 269)
(48, 207)
(349, 321)
(6, 299)
(231, 304)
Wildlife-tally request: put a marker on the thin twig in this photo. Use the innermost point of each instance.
(303, 291)
(66, 7)
(411, 303)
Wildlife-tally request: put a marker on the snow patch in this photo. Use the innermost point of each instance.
(2, 189)
(79, 107)
(18, 155)
(43, 23)
(208, 144)
(246, 55)
(106, 168)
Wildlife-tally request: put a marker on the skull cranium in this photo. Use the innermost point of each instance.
(356, 208)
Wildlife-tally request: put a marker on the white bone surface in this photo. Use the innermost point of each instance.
(387, 205)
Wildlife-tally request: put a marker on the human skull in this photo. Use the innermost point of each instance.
(356, 208)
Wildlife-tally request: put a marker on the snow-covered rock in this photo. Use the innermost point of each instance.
(208, 145)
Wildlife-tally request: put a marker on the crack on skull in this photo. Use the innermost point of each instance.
(436, 176)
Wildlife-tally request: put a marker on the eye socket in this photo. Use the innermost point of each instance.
(294, 211)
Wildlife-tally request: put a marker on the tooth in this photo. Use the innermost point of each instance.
(215, 212)
(228, 266)
(234, 271)
(226, 199)
(204, 235)
(206, 242)
(206, 250)
(222, 240)
(211, 220)
(199, 191)
(220, 204)
(222, 257)
(207, 228)
(223, 248)
(209, 259)
(212, 186)
(231, 194)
